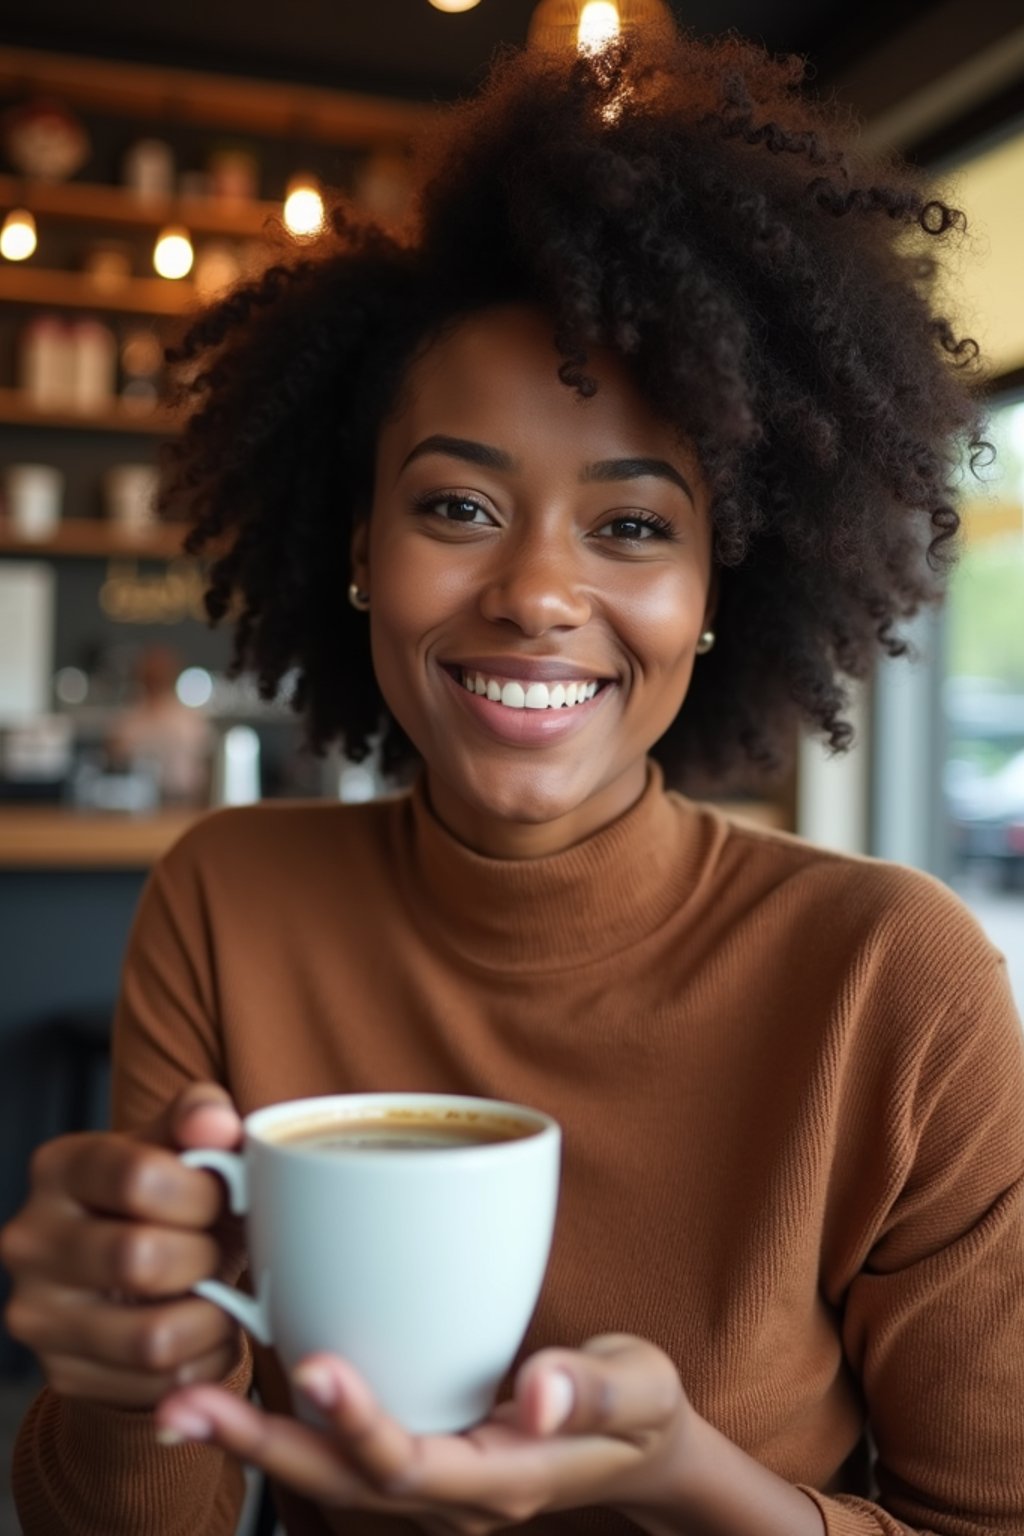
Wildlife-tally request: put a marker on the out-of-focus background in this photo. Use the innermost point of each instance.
(142, 152)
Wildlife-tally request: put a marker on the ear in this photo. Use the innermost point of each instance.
(359, 554)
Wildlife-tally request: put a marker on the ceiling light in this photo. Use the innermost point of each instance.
(303, 206)
(454, 5)
(18, 236)
(172, 254)
(557, 25)
(599, 24)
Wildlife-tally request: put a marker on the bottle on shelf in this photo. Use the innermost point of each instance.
(94, 365)
(148, 170)
(46, 364)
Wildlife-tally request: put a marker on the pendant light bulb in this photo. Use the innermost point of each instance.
(453, 6)
(173, 254)
(599, 25)
(18, 236)
(303, 206)
(588, 26)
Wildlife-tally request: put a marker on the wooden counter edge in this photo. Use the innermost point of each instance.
(54, 837)
(51, 837)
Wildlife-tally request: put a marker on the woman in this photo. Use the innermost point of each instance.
(643, 441)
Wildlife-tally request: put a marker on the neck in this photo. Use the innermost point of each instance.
(581, 905)
(505, 837)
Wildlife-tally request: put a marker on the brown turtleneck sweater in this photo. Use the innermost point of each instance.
(792, 1090)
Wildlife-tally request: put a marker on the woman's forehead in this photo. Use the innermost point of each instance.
(494, 377)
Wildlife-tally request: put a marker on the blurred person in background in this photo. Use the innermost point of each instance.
(161, 734)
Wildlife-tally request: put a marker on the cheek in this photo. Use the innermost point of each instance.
(662, 625)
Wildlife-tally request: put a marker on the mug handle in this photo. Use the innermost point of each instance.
(253, 1312)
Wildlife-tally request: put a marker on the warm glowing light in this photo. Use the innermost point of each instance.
(599, 25)
(18, 236)
(303, 206)
(454, 5)
(173, 254)
(590, 26)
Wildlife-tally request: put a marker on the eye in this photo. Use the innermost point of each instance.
(637, 528)
(453, 508)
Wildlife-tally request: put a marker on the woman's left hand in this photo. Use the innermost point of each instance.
(605, 1424)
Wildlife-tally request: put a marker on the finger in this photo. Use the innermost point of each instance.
(91, 1254)
(203, 1115)
(123, 1177)
(614, 1385)
(302, 1458)
(158, 1337)
(373, 1444)
(71, 1376)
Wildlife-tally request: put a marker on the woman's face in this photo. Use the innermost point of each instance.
(535, 548)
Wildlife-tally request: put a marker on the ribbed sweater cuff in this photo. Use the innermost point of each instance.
(849, 1516)
(86, 1467)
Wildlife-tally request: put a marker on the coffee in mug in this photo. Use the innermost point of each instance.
(399, 1131)
(408, 1233)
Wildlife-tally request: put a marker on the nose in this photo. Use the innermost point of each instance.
(535, 583)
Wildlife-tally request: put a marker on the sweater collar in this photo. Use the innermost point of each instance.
(593, 900)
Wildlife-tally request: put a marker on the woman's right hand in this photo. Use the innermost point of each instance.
(114, 1233)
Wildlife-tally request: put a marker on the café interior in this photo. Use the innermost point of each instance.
(150, 157)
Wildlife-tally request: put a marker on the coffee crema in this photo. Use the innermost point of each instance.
(398, 1131)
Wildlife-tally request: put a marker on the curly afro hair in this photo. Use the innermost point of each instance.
(691, 209)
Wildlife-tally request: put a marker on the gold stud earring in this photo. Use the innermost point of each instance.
(359, 600)
(706, 641)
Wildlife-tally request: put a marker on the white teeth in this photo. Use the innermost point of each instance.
(514, 695)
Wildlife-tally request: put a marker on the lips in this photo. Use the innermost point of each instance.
(519, 724)
(525, 669)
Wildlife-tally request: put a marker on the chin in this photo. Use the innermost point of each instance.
(525, 807)
(530, 796)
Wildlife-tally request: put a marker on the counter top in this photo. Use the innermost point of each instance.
(53, 837)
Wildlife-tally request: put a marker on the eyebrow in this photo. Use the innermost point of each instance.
(489, 457)
(462, 448)
(637, 469)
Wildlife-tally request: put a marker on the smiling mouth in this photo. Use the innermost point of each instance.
(514, 694)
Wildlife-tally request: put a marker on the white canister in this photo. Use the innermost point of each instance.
(129, 493)
(46, 363)
(95, 366)
(149, 170)
(34, 495)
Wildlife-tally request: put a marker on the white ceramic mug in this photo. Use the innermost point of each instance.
(421, 1267)
(34, 493)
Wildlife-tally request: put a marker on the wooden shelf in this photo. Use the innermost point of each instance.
(268, 107)
(92, 537)
(98, 204)
(17, 410)
(52, 837)
(75, 290)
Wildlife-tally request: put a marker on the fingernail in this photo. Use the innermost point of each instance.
(318, 1384)
(557, 1401)
(186, 1424)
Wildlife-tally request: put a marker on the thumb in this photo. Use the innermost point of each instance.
(613, 1385)
(201, 1115)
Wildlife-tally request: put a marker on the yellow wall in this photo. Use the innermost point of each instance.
(986, 285)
